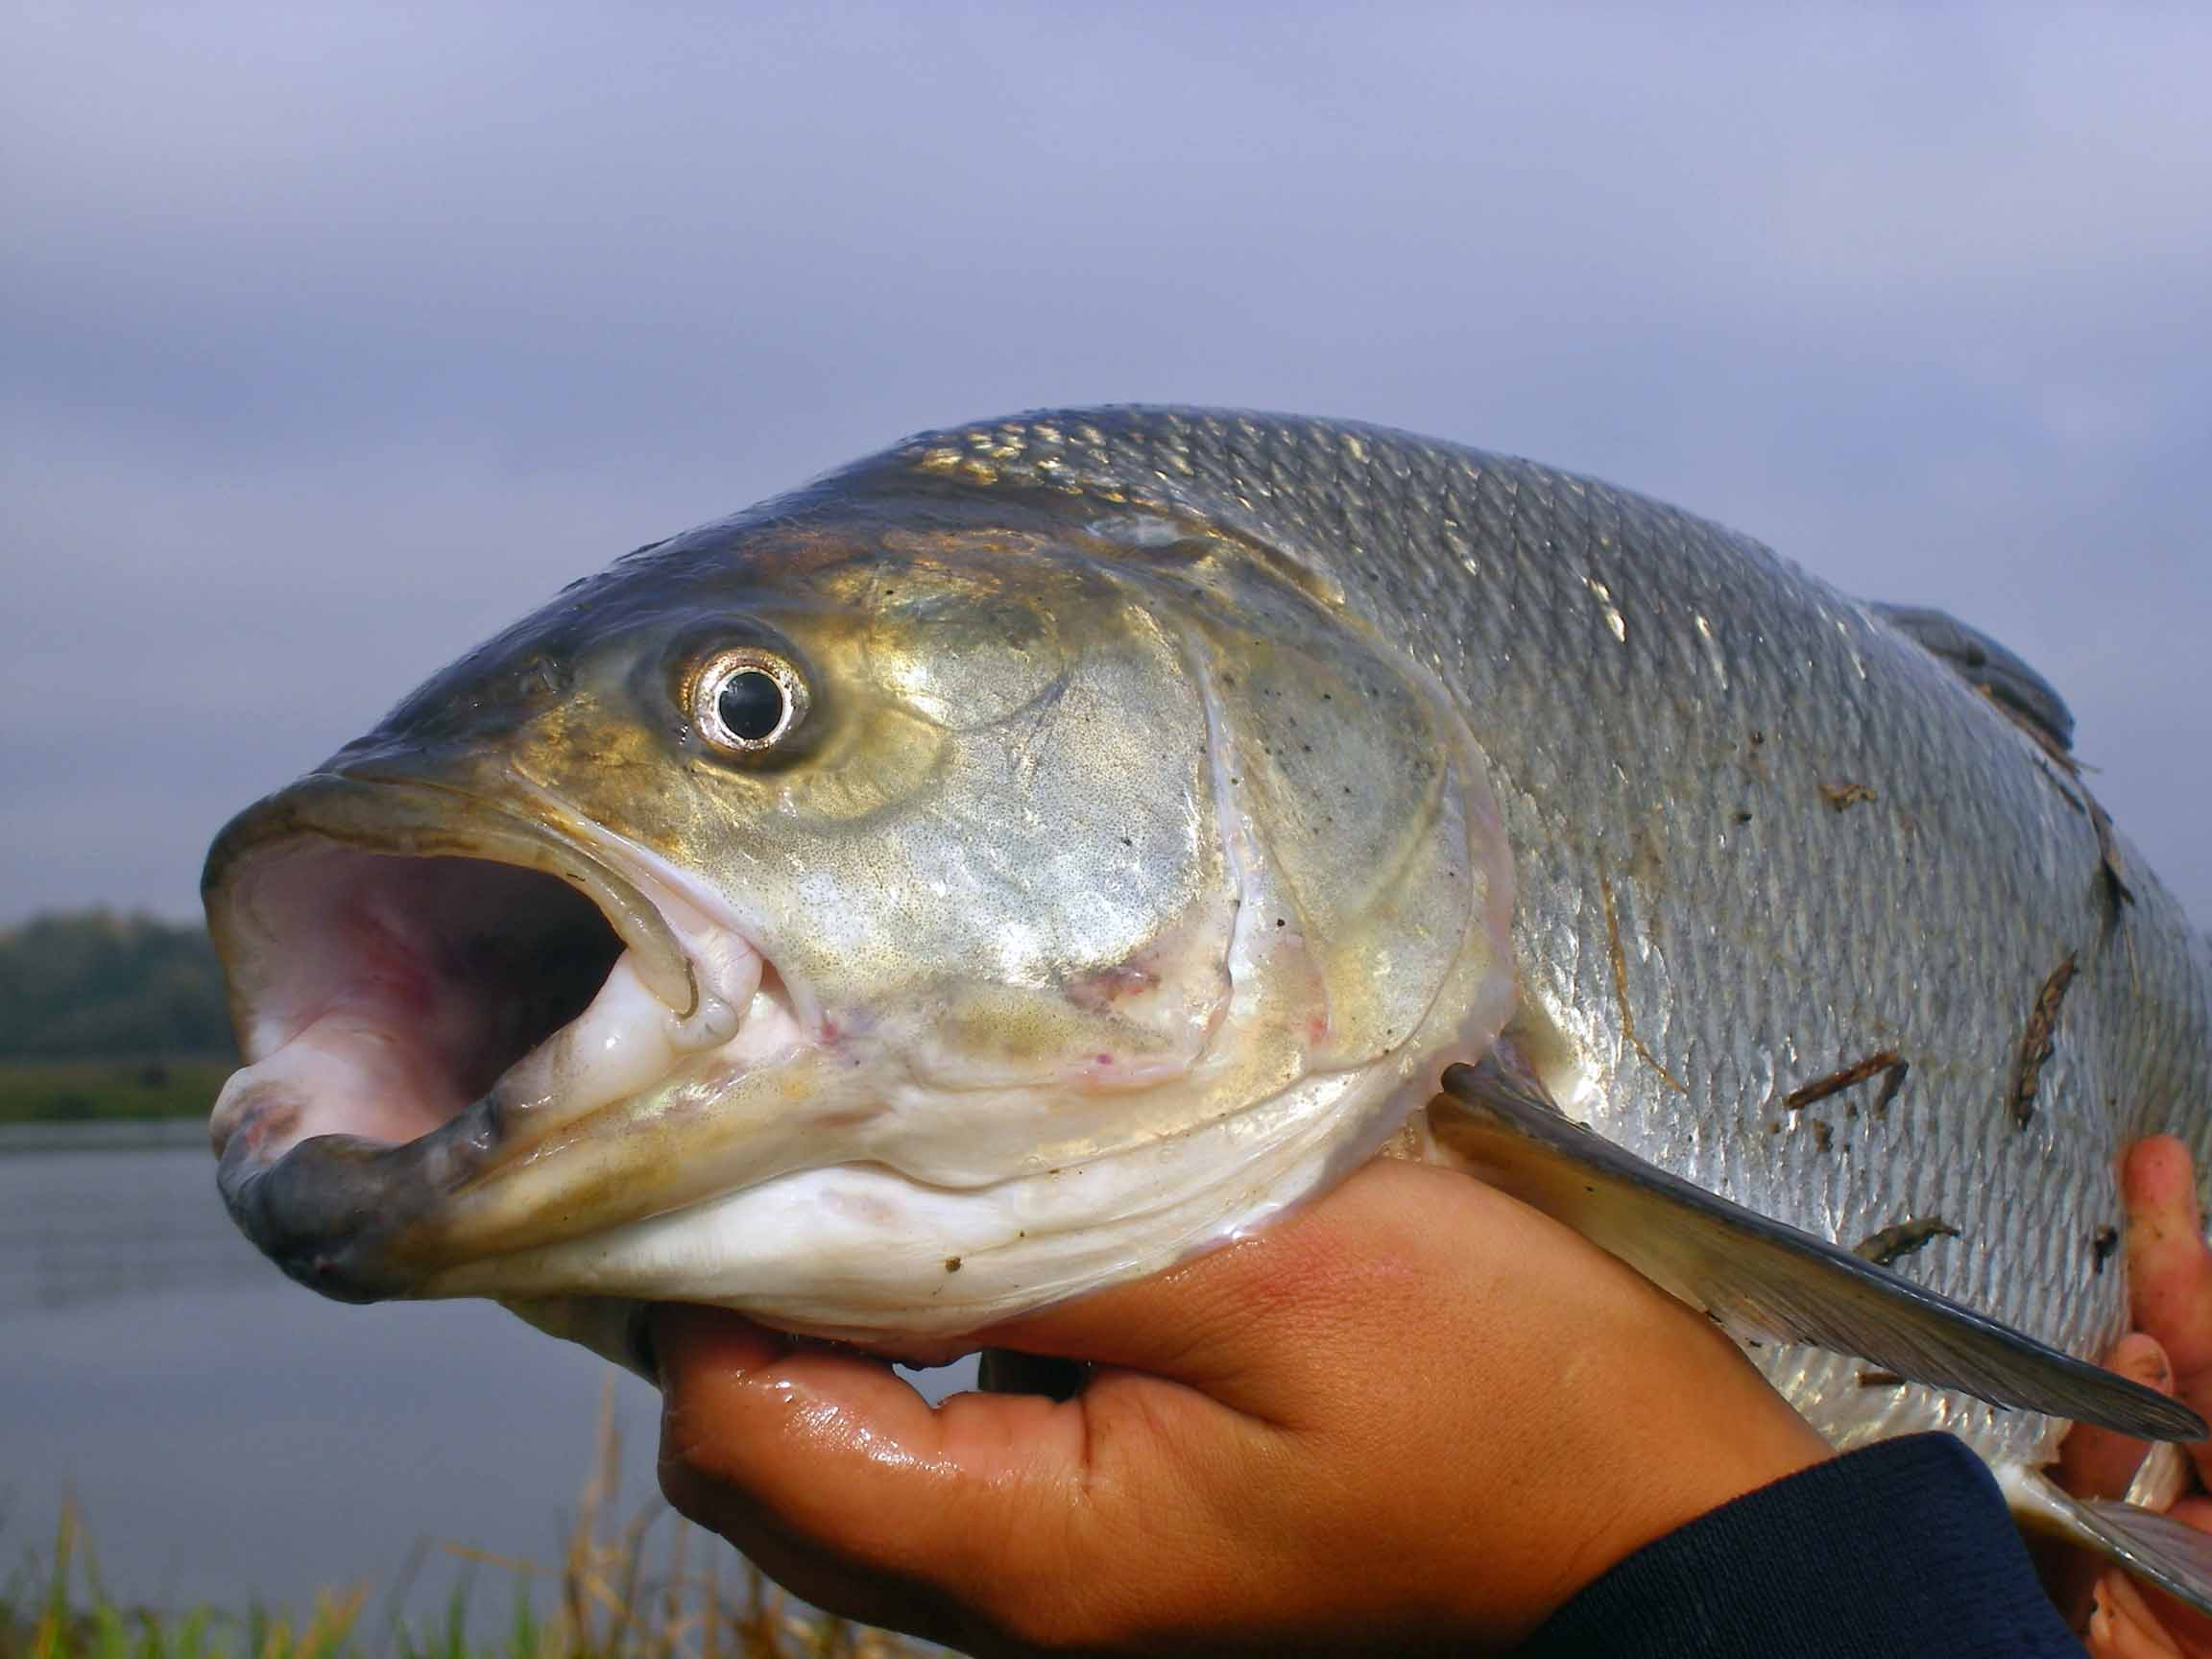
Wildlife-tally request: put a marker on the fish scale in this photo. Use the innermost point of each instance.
(1638, 682)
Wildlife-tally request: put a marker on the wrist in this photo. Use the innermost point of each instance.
(1698, 1431)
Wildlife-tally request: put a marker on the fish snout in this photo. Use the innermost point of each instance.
(336, 1211)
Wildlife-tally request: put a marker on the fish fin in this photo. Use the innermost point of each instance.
(2151, 1547)
(1759, 1278)
(1988, 667)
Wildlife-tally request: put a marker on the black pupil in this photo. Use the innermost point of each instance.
(751, 705)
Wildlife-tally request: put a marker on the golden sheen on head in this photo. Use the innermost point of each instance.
(1008, 855)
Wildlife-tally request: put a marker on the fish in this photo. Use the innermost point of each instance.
(1024, 857)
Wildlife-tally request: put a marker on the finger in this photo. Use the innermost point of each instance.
(746, 1411)
(2195, 1511)
(2188, 1630)
(2130, 1621)
(2122, 1626)
(843, 1483)
(741, 1403)
(2096, 1462)
(2170, 1269)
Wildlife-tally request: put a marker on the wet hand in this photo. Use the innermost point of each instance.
(1416, 1415)
(2170, 1282)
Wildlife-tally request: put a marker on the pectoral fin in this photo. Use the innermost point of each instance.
(1759, 1278)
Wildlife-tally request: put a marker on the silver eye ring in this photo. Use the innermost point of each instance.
(747, 699)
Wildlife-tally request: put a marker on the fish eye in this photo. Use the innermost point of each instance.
(747, 699)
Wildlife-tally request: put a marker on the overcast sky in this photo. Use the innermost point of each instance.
(335, 336)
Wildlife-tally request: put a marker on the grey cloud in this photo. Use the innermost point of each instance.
(337, 335)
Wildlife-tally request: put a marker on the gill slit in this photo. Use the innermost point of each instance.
(1231, 822)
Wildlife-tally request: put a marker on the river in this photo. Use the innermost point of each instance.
(226, 1434)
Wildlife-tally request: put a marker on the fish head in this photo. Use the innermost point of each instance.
(822, 898)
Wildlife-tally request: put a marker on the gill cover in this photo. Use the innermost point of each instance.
(1350, 799)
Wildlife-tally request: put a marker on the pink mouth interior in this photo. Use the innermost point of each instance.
(386, 993)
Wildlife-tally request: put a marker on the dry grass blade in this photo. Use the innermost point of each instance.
(614, 1595)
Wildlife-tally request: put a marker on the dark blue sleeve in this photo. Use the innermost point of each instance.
(1902, 1548)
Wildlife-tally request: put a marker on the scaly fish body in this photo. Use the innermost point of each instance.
(1160, 800)
(1674, 724)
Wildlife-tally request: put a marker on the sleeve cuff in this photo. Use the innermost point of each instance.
(1904, 1548)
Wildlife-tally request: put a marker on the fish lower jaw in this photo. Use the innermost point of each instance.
(862, 1252)
(334, 1184)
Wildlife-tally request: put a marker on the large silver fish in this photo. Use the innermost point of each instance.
(1052, 846)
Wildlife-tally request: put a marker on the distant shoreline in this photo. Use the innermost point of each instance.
(62, 1094)
(115, 1135)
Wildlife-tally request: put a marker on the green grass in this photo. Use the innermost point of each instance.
(641, 1587)
(110, 1091)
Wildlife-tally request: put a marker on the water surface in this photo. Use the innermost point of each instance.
(228, 1433)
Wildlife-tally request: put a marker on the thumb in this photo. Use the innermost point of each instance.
(2094, 1462)
(2170, 1269)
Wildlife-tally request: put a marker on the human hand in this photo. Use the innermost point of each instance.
(1416, 1415)
(2169, 1285)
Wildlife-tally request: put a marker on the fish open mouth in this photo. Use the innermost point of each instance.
(425, 985)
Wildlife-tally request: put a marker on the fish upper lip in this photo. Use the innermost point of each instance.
(419, 818)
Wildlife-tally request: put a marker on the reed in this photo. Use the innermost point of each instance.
(642, 1585)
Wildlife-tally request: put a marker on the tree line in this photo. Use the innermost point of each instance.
(91, 984)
